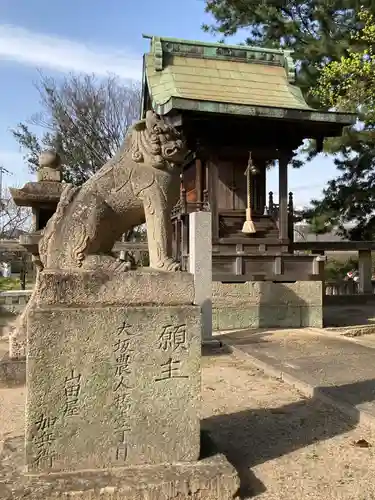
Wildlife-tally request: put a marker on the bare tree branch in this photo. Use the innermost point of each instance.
(13, 219)
(84, 118)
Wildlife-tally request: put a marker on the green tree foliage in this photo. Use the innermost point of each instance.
(314, 30)
(320, 224)
(83, 118)
(348, 84)
(336, 270)
(319, 32)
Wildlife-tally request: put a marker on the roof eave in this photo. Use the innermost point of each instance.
(311, 115)
(145, 89)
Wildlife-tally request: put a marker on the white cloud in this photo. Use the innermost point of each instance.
(60, 54)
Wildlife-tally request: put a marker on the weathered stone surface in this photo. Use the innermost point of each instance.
(49, 174)
(11, 305)
(312, 316)
(141, 183)
(267, 305)
(144, 286)
(50, 159)
(37, 193)
(209, 479)
(90, 288)
(18, 330)
(112, 386)
(301, 293)
(50, 168)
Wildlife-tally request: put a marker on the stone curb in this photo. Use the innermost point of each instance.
(351, 331)
(358, 339)
(308, 390)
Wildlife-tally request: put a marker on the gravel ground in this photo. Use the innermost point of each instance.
(283, 445)
(294, 447)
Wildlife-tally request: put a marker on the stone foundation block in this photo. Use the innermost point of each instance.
(267, 305)
(112, 386)
(209, 479)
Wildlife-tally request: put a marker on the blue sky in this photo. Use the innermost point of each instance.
(98, 37)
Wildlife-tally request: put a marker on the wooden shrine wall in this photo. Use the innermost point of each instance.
(228, 184)
(189, 183)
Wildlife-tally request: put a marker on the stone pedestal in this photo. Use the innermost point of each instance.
(210, 478)
(113, 371)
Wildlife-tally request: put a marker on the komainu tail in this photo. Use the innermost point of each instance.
(18, 330)
(67, 196)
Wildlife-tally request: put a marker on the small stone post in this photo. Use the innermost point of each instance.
(365, 271)
(200, 265)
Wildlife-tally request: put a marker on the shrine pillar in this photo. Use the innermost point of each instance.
(283, 197)
(365, 271)
(258, 187)
(199, 183)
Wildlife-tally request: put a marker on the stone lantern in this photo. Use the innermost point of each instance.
(42, 196)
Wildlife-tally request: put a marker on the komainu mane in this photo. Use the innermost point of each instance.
(139, 184)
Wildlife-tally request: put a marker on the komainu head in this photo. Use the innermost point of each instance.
(152, 141)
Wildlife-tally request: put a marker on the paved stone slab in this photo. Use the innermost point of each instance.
(341, 369)
(112, 386)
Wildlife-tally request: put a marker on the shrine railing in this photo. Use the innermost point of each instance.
(343, 287)
(139, 251)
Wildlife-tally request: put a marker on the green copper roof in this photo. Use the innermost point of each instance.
(232, 79)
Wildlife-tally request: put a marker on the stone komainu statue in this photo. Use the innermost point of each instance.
(139, 184)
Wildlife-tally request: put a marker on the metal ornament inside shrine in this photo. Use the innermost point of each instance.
(248, 226)
(229, 100)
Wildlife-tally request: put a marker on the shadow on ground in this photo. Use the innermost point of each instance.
(247, 337)
(247, 438)
(252, 437)
(354, 394)
(216, 350)
(348, 314)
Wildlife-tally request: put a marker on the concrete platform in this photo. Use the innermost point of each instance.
(335, 369)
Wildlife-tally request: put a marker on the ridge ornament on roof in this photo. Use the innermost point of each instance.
(220, 51)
